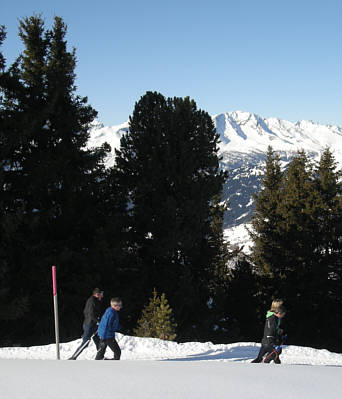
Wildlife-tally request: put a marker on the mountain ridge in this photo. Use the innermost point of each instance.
(244, 139)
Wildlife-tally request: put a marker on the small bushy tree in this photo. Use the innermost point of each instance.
(157, 319)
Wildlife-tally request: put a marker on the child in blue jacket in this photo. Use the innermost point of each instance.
(109, 324)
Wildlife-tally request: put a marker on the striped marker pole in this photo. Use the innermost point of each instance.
(55, 306)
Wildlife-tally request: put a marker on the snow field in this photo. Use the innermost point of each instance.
(155, 369)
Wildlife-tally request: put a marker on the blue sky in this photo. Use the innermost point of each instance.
(274, 58)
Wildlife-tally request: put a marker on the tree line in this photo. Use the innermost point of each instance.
(153, 221)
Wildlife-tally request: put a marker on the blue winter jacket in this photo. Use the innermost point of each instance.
(109, 324)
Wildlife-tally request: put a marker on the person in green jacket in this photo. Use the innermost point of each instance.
(272, 339)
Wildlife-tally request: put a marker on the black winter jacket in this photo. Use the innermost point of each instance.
(92, 311)
(272, 332)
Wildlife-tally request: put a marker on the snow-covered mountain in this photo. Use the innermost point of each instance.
(244, 141)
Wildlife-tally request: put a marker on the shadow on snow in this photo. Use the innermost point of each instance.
(238, 354)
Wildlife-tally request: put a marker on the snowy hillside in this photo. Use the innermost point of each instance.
(244, 141)
(151, 368)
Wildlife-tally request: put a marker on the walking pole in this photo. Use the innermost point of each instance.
(55, 306)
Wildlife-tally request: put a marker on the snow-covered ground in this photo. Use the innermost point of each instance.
(151, 368)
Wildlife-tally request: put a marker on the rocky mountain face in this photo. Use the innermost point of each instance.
(244, 141)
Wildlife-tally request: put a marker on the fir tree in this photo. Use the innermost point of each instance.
(52, 185)
(217, 311)
(169, 166)
(157, 319)
(328, 212)
(267, 250)
(12, 307)
(328, 269)
(298, 225)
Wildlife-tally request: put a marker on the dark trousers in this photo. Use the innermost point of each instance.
(111, 342)
(88, 332)
(270, 353)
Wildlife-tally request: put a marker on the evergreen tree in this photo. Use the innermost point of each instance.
(157, 319)
(267, 250)
(218, 311)
(169, 166)
(11, 307)
(328, 270)
(52, 185)
(297, 209)
(328, 210)
(296, 262)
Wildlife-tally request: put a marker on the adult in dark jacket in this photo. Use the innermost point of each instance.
(109, 324)
(92, 314)
(272, 339)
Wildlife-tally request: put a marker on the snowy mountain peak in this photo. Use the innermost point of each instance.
(248, 133)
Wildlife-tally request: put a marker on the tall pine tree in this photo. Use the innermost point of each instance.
(169, 165)
(267, 250)
(12, 307)
(328, 267)
(52, 185)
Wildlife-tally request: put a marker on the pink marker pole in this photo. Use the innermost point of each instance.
(55, 306)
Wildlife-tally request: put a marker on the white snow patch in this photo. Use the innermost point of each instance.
(238, 235)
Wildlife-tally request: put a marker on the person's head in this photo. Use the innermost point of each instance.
(280, 311)
(97, 293)
(116, 303)
(275, 305)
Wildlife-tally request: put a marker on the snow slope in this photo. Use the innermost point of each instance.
(151, 368)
